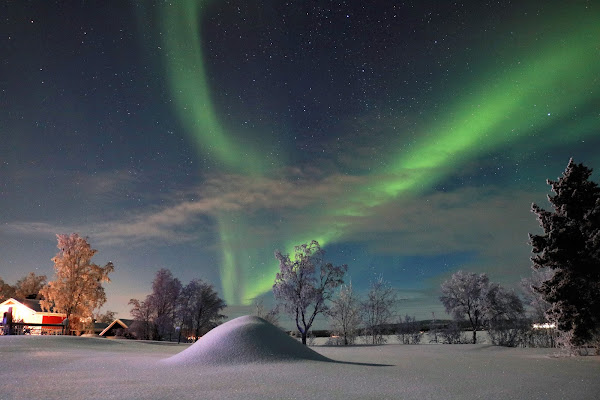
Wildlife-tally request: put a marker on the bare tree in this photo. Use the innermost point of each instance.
(305, 283)
(463, 295)
(378, 309)
(143, 325)
(433, 329)
(77, 286)
(539, 306)
(271, 316)
(163, 302)
(505, 316)
(29, 287)
(105, 318)
(409, 330)
(345, 315)
(199, 308)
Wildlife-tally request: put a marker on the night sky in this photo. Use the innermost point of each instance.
(408, 137)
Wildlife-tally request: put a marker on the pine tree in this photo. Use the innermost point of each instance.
(570, 246)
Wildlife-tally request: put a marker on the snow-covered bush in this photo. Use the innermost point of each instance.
(452, 334)
(409, 330)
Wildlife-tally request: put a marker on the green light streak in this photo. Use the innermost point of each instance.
(227, 267)
(186, 74)
(257, 287)
(500, 113)
(504, 109)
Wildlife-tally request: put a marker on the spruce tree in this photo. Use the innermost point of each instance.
(570, 246)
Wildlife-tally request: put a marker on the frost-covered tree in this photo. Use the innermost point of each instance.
(502, 304)
(305, 283)
(76, 289)
(143, 324)
(539, 306)
(570, 247)
(158, 312)
(29, 287)
(409, 330)
(464, 296)
(6, 291)
(378, 309)
(344, 314)
(106, 318)
(504, 316)
(199, 308)
(163, 302)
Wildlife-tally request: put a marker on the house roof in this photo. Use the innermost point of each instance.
(123, 323)
(32, 304)
(100, 326)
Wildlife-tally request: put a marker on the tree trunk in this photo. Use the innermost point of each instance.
(68, 325)
(304, 338)
(474, 336)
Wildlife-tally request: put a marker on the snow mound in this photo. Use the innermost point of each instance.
(247, 339)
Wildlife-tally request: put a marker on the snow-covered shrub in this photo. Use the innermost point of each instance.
(409, 331)
(509, 333)
(335, 341)
(452, 334)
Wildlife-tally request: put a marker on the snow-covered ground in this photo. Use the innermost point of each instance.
(74, 367)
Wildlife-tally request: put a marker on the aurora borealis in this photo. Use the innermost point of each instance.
(408, 139)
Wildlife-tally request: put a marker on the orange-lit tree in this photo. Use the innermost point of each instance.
(76, 289)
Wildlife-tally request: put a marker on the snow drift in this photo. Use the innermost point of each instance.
(247, 339)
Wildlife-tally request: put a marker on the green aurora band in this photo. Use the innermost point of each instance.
(551, 83)
(185, 70)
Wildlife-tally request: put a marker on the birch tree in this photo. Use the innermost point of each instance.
(344, 314)
(539, 306)
(305, 283)
(163, 302)
(271, 316)
(143, 325)
(199, 307)
(464, 296)
(378, 309)
(76, 289)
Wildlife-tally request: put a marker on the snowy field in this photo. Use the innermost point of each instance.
(249, 360)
